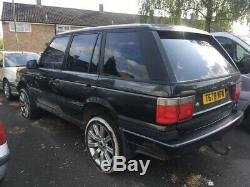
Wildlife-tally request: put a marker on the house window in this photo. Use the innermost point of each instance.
(20, 27)
(62, 28)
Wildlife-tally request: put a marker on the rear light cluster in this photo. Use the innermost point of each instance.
(236, 92)
(172, 110)
(2, 134)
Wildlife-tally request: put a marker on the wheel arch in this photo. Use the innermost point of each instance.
(4, 79)
(20, 85)
(96, 106)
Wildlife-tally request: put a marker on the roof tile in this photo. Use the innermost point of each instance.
(65, 16)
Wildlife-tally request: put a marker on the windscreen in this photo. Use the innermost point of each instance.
(18, 59)
(193, 56)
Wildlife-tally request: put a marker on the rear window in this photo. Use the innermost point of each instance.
(194, 57)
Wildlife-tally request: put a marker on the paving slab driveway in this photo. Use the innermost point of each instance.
(50, 152)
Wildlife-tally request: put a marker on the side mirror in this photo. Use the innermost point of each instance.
(32, 64)
(244, 65)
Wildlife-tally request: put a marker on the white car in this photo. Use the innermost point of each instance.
(10, 63)
(239, 50)
(4, 152)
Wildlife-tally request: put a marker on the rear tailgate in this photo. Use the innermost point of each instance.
(208, 113)
(200, 67)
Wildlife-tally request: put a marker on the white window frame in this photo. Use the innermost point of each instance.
(62, 28)
(20, 27)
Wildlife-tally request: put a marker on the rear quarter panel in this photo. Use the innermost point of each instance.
(131, 99)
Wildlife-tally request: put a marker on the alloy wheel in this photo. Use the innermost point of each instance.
(24, 104)
(100, 144)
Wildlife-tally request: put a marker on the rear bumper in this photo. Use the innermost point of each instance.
(159, 148)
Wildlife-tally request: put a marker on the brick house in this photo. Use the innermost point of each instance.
(37, 24)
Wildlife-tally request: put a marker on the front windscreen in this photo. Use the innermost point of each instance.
(18, 59)
(193, 57)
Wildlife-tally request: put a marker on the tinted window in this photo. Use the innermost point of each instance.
(95, 58)
(81, 52)
(18, 59)
(123, 57)
(54, 55)
(194, 57)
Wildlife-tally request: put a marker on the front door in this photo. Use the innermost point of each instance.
(50, 66)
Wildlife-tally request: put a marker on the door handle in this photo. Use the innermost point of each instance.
(83, 84)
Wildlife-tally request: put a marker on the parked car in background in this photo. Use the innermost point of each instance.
(10, 63)
(4, 152)
(239, 51)
(148, 89)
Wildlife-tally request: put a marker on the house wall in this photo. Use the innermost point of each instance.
(34, 41)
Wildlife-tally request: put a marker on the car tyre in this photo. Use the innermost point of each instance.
(27, 104)
(7, 90)
(102, 141)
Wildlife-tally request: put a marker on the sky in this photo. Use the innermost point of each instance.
(122, 6)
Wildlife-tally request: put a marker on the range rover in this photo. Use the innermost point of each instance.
(151, 89)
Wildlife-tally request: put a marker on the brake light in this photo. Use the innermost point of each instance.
(172, 110)
(2, 134)
(236, 93)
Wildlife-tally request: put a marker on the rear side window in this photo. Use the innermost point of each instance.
(54, 55)
(81, 51)
(123, 57)
(193, 57)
